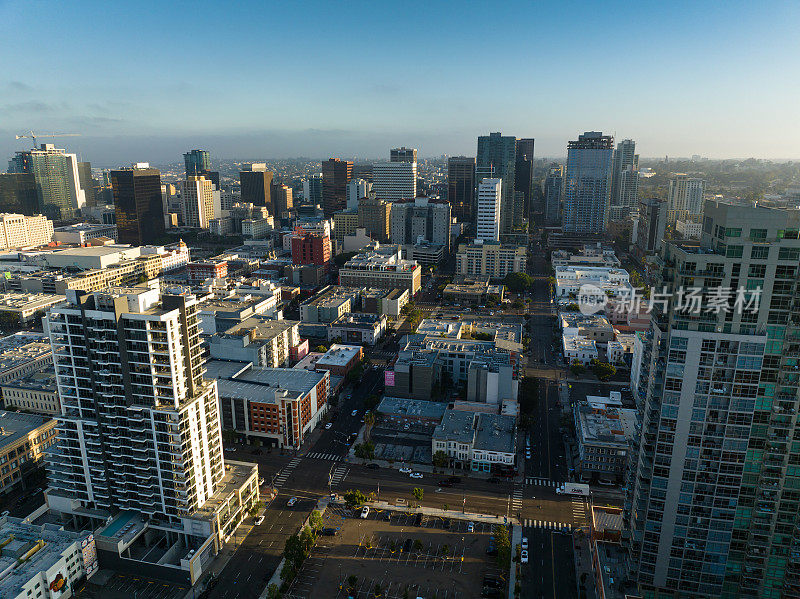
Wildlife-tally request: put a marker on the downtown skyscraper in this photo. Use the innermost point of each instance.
(461, 187)
(55, 171)
(712, 504)
(197, 163)
(497, 159)
(336, 174)
(624, 180)
(587, 183)
(138, 205)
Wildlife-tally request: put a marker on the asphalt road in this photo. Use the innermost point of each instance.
(550, 571)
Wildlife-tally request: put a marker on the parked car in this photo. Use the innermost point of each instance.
(261, 481)
(416, 475)
(405, 470)
(364, 512)
(330, 532)
(524, 557)
(291, 502)
(327, 426)
(471, 527)
(354, 413)
(259, 520)
(524, 543)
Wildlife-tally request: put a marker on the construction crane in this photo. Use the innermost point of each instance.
(33, 136)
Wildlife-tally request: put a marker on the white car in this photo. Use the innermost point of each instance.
(525, 543)
(291, 502)
(405, 470)
(471, 527)
(261, 481)
(259, 520)
(364, 512)
(354, 413)
(327, 426)
(523, 557)
(416, 475)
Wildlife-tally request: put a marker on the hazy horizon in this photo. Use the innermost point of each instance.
(326, 79)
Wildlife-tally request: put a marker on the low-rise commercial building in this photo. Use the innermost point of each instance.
(382, 301)
(579, 349)
(340, 359)
(43, 560)
(278, 406)
(81, 233)
(22, 354)
(490, 259)
(612, 281)
(24, 308)
(358, 327)
(590, 255)
(400, 410)
(604, 430)
(23, 441)
(208, 269)
(217, 315)
(261, 340)
(384, 269)
(36, 392)
(472, 290)
(592, 326)
(330, 303)
(477, 441)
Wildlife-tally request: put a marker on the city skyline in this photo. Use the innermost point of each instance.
(137, 105)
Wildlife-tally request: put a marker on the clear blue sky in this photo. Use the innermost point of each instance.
(147, 80)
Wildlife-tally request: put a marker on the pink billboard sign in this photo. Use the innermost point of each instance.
(388, 378)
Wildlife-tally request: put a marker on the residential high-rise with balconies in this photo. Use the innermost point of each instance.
(139, 428)
(685, 199)
(553, 190)
(587, 183)
(198, 201)
(712, 505)
(489, 201)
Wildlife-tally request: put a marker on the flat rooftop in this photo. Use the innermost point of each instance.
(16, 425)
(456, 425)
(263, 326)
(19, 348)
(338, 355)
(357, 320)
(496, 432)
(239, 379)
(19, 559)
(614, 426)
(579, 343)
(417, 408)
(28, 301)
(43, 380)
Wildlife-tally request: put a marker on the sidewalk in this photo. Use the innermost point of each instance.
(432, 511)
(583, 565)
(429, 468)
(516, 539)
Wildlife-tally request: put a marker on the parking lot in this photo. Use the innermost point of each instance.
(125, 586)
(398, 554)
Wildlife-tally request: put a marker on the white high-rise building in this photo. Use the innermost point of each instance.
(357, 189)
(198, 201)
(685, 199)
(18, 231)
(489, 198)
(394, 181)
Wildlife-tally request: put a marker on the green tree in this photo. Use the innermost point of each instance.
(288, 572)
(229, 436)
(503, 544)
(354, 498)
(365, 451)
(273, 591)
(417, 493)
(577, 368)
(518, 281)
(441, 459)
(603, 370)
(315, 520)
(321, 349)
(480, 336)
(371, 402)
(307, 539)
(342, 258)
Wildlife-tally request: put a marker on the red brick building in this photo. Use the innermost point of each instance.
(310, 248)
